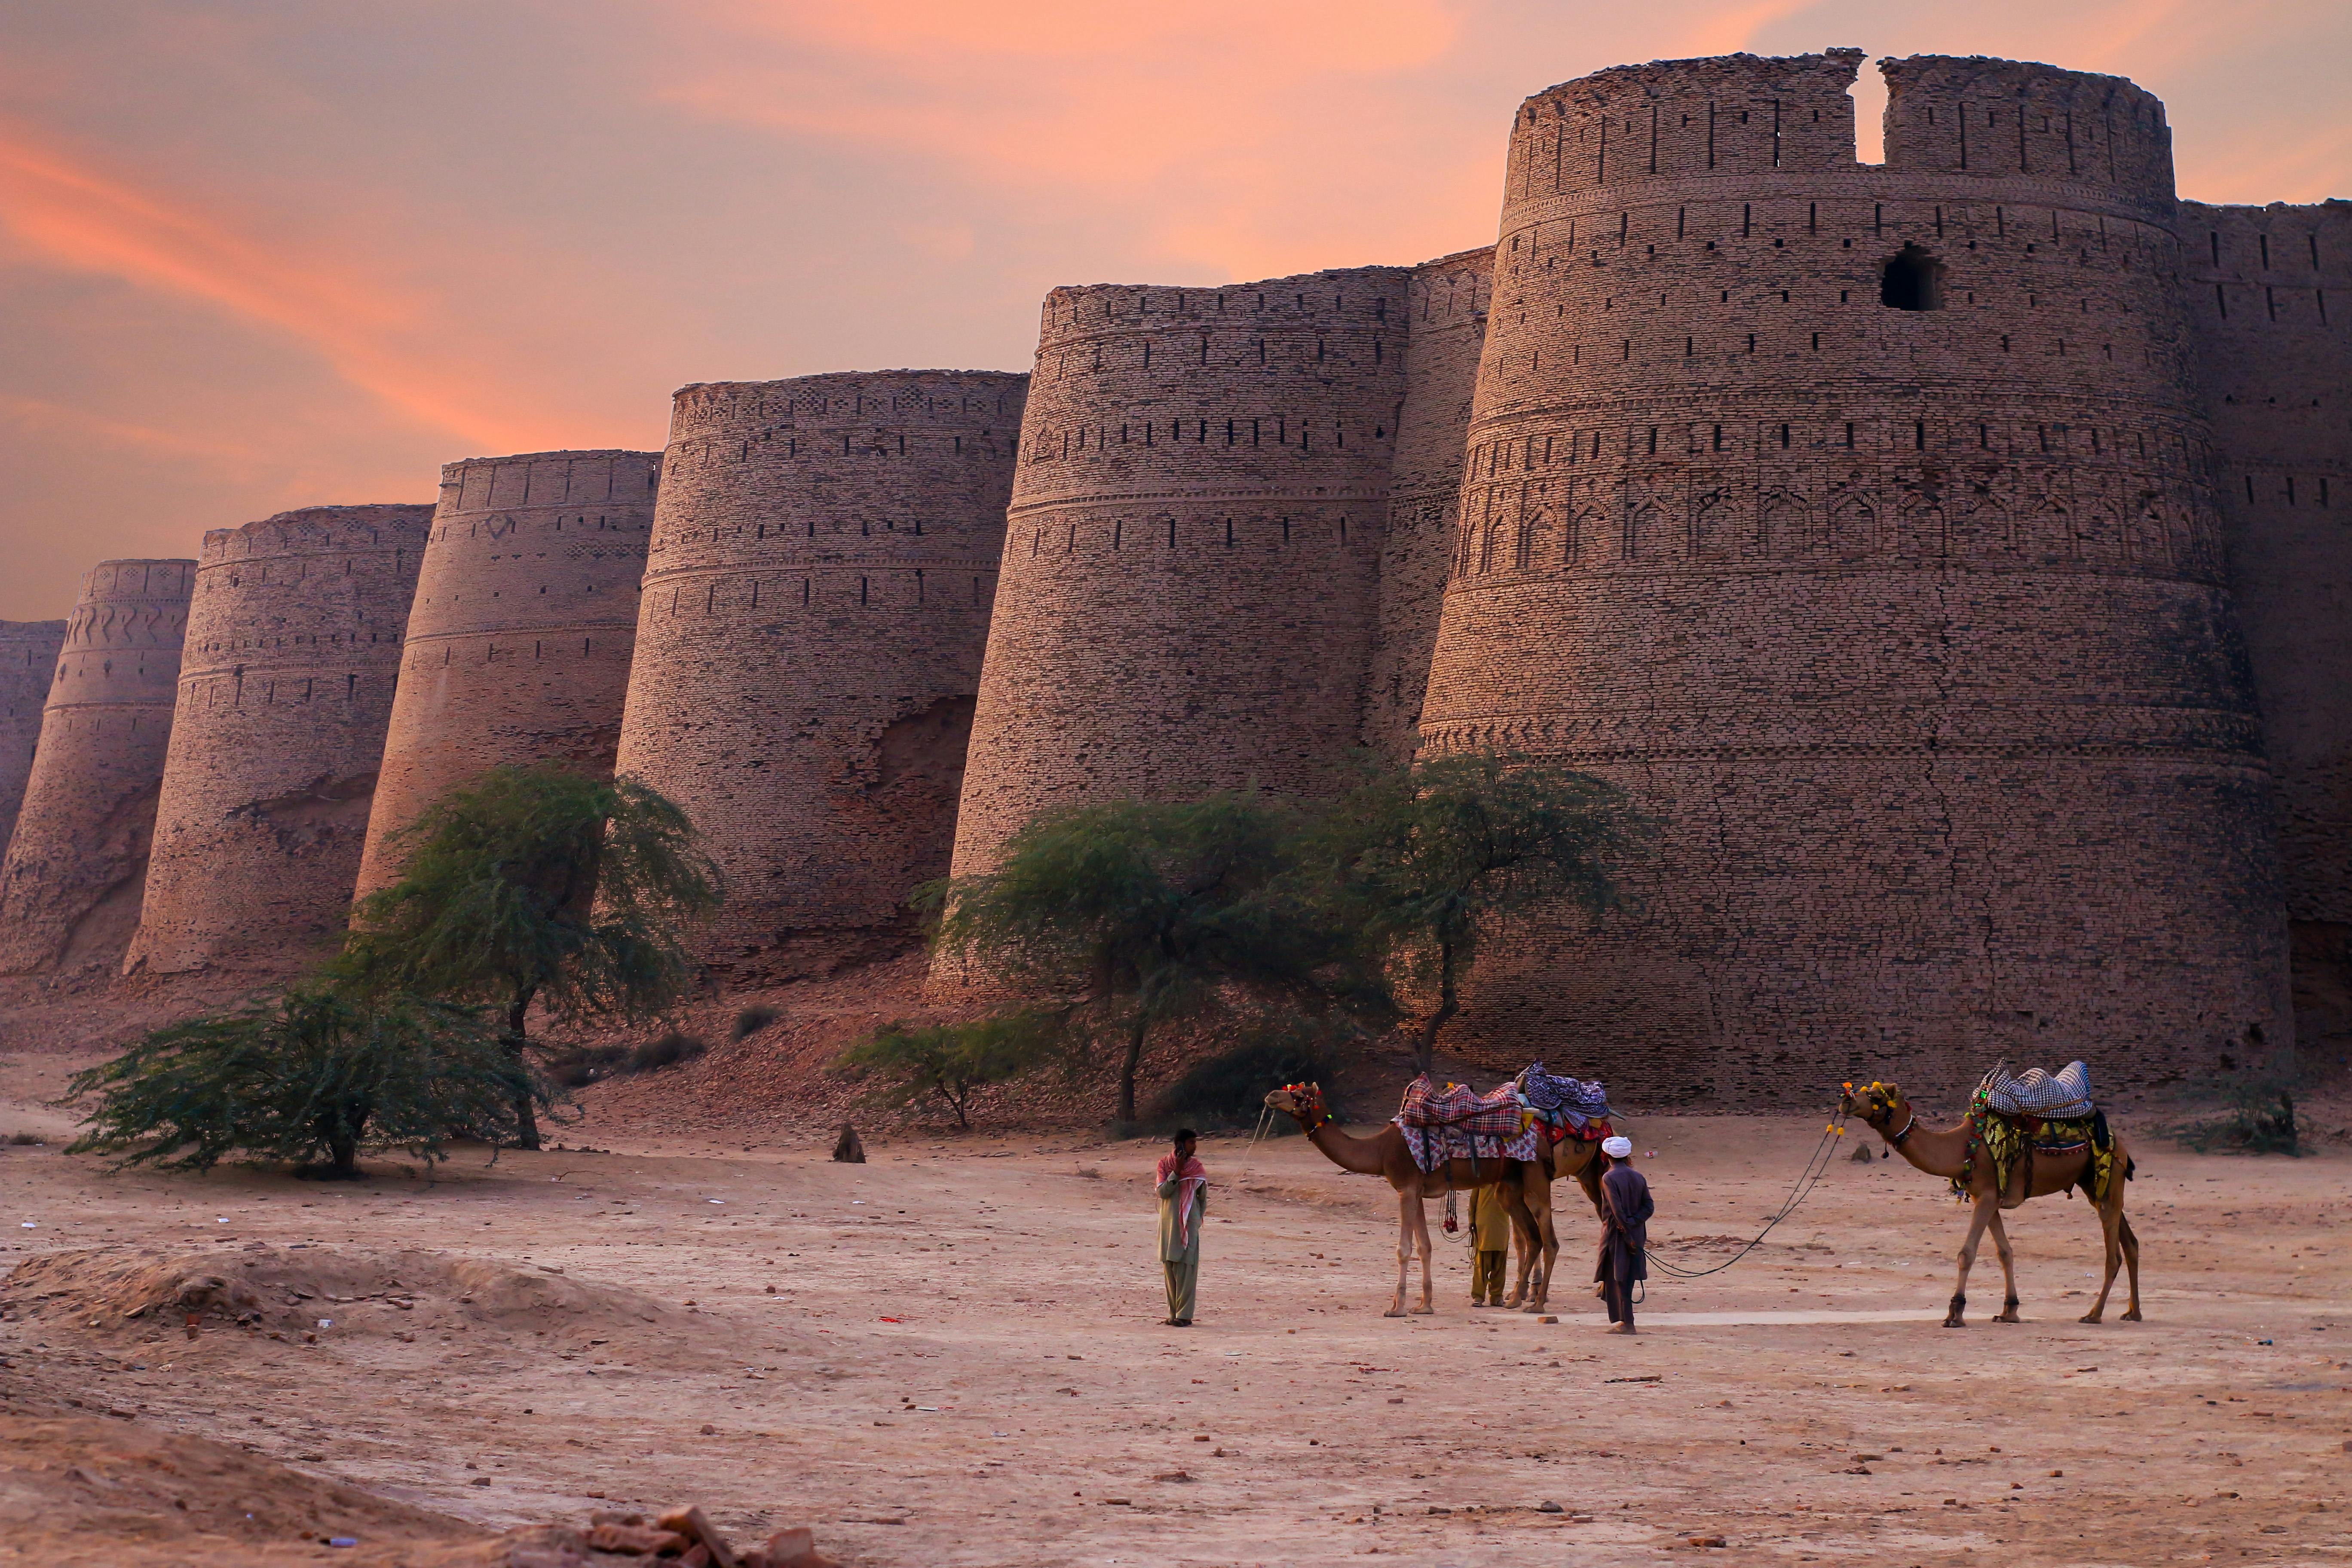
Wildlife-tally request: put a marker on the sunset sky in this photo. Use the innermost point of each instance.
(268, 253)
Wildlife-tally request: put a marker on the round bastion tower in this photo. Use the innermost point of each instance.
(286, 683)
(1859, 520)
(816, 606)
(28, 662)
(1192, 555)
(519, 640)
(77, 864)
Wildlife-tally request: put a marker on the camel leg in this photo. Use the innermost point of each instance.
(2008, 1313)
(1546, 1239)
(2111, 1219)
(1976, 1222)
(1408, 1207)
(1428, 1287)
(1524, 1239)
(2131, 1260)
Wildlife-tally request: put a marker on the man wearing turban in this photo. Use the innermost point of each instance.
(1625, 1233)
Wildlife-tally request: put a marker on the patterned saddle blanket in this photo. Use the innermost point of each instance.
(1574, 1104)
(2063, 1096)
(1458, 1122)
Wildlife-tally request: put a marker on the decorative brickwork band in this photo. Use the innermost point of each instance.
(1192, 556)
(1862, 521)
(518, 640)
(286, 687)
(817, 598)
(76, 865)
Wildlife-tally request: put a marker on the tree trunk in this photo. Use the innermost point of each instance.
(1449, 1003)
(1126, 1068)
(526, 1118)
(344, 1150)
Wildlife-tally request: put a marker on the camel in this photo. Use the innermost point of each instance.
(1526, 1186)
(1948, 1151)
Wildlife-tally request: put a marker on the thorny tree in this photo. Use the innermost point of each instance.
(541, 884)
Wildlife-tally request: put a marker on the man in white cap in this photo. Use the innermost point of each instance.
(1625, 1233)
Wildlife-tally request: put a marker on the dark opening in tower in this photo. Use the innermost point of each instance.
(1913, 280)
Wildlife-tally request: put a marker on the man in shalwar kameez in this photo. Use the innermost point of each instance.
(1184, 1207)
(1625, 1233)
(1490, 1241)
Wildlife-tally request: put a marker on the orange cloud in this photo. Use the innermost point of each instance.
(1212, 114)
(77, 218)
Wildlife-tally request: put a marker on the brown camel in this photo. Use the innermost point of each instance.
(1526, 1186)
(1948, 1151)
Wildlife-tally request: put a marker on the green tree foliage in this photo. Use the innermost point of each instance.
(1138, 913)
(1430, 861)
(311, 1073)
(541, 884)
(950, 1061)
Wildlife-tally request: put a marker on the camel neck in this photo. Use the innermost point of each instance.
(1939, 1150)
(1347, 1152)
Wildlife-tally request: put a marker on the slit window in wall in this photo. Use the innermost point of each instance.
(1911, 281)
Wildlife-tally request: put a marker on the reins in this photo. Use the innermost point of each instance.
(1817, 1165)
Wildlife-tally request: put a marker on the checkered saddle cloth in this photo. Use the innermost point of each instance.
(1572, 1102)
(1458, 1122)
(2062, 1096)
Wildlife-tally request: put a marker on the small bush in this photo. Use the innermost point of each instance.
(1229, 1090)
(668, 1051)
(23, 1139)
(580, 1067)
(949, 1061)
(2255, 1113)
(753, 1019)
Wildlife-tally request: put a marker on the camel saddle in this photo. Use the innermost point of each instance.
(2021, 1115)
(1567, 1106)
(1458, 1122)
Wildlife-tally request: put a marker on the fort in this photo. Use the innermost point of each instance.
(1944, 553)
(28, 659)
(518, 640)
(285, 690)
(77, 866)
(816, 601)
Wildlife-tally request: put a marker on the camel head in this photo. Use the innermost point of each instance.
(1880, 1105)
(1301, 1100)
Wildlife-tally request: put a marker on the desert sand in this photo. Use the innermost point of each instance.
(952, 1355)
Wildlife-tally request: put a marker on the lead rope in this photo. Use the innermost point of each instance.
(1817, 1165)
(1265, 1116)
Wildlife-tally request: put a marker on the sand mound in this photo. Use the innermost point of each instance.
(81, 1490)
(286, 1290)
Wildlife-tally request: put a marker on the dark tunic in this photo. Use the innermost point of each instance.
(1625, 1227)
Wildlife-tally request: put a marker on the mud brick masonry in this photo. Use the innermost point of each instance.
(1948, 554)
(816, 602)
(77, 866)
(28, 660)
(286, 687)
(518, 641)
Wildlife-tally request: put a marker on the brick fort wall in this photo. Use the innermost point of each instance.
(285, 691)
(1192, 548)
(816, 602)
(2269, 289)
(76, 865)
(519, 640)
(1445, 330)
(28, 662)
(1908, 625)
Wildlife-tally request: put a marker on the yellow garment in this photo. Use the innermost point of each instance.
(1490, 1225)
(1486, 1277)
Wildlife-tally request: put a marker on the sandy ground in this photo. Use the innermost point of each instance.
(950, 1355)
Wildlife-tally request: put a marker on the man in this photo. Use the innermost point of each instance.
(1625, 1233)
(1184, 1207)
(1490, 1235)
